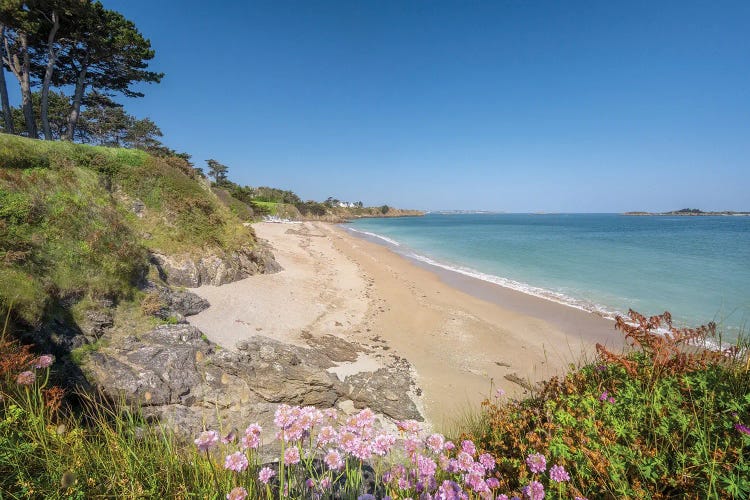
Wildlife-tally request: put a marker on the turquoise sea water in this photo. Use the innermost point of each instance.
(698, 268)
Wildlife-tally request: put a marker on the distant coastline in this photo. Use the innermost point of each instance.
(690, 212)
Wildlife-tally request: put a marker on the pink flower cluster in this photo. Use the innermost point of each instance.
(423, 467)
(28, 377)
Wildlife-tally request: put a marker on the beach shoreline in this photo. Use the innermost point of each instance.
(464, 337)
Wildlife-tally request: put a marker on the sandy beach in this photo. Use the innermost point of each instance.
(463, 336)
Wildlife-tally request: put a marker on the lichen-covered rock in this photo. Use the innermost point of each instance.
(158, 368)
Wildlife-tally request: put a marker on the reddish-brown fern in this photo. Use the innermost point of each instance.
(673, 350)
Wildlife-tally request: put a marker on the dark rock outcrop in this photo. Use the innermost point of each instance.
(182, 379)
(215, 269)
(184, 302)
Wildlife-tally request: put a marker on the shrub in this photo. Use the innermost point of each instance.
(658, 423)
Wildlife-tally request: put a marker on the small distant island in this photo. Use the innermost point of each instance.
(690, 212)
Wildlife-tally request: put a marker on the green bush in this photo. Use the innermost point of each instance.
(651, 424)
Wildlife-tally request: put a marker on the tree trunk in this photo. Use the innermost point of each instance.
(25, 81)
(26, 103)
(75, 110)
(20, 68)
(7, 116)
(52, 58)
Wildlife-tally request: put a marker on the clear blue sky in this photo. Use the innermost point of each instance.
(515, 105)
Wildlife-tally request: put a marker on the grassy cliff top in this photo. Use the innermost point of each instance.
(79, 220)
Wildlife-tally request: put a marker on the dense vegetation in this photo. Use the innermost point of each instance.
(77, 221)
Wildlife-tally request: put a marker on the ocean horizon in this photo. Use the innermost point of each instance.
(697, 268)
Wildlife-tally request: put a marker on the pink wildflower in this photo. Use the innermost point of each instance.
(310, 483)
(436, 442)
(558, 474)
(487, 461)
(44, 361)
(411, 445)
(365, 418)
(265, 474)
(499, 393)
(327, 435)
(744, 429)
(251, 439)
(310, 417)
(237, 462)
(534, 491)
(238, 493)
(477, 468)
(333, 460)
(285, 416)
(451, 465)
(449, 490)
(408, 426)
(469, 447)
(230, 438)
(291, 456)
(325, 483)
(426, 466)
(294, 432)
(252, 442)
(464, 461)
(383, 444)
(537, 463)
(207, 440)
(346, 441)
(361, 449)
(25, 378)
(611, 400)
(254, 430)
(493, 482)
(449, 446)
(476, 482)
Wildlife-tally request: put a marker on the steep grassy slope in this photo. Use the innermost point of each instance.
(78, 222)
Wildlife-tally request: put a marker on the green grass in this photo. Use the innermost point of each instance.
(265, 207)
(67, 230)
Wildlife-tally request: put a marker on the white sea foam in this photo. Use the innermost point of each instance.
(379, 236)
(518, 286)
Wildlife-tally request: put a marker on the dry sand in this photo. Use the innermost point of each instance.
(462, 335)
